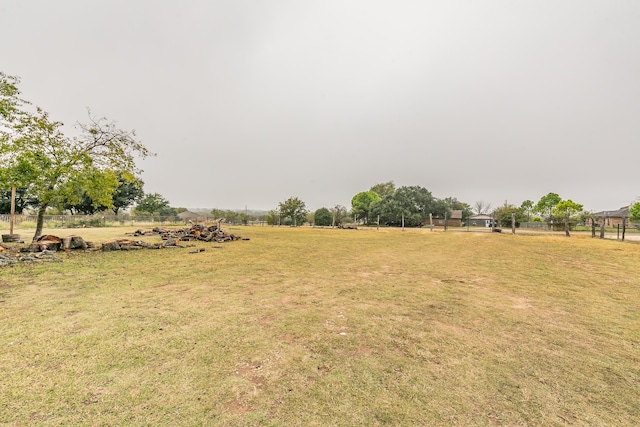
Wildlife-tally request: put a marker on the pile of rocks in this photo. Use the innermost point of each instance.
(45, 247)
(131, 245)
(44, 256)
(212, 233)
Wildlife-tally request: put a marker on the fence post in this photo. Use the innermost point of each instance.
(513, 223)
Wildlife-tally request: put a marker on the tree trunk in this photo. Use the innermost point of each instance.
(40, 221)
(566, 225)
(602, 228)
(593, 227)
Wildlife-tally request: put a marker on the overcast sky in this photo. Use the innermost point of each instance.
(247, 103)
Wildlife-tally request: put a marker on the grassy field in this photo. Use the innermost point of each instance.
(320, 327)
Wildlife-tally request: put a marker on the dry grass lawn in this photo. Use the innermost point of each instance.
(317, 327)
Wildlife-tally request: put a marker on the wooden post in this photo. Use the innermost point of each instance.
(13, 209)
(566, 225)
(602, 228)
(624, 227)
(378, 223)
(402, 222)
(513, 223)
(593, 227)
(445, 221)
(431, 221)
(618, 236)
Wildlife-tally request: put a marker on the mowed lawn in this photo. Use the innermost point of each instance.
(321, 327)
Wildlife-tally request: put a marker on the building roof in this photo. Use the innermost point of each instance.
(188, 215)
(456, 214)
(618, 213)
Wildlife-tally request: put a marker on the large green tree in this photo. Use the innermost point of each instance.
(57, 165)
(414, 203)
(295, 209)
(35, 153)
(362, 203)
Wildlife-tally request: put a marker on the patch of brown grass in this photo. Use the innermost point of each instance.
(327, 327)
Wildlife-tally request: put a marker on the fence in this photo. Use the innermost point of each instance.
(54, 221)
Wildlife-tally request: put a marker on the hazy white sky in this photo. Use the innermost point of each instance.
(247, 103)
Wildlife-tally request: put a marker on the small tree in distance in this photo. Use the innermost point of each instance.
(152, 204)
(527, 207)
(340, 215)
(295, 209)
(566, 209)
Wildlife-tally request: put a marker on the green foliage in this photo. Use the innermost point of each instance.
(384, 189)
(217, 213)
(231, 217)
(295, 210)
(90, 194)
(10, 103)
(415, 203)
(341, 215)
(503, 215)
(323, 217)
(23, 201)
(567, 209)
(527, 208)
(36, 154)
(129, 190)
(362, 203)
(634, 212)
(546, 204)
(153, 204)
(273, 217)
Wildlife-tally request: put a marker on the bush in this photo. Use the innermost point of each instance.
(323, 217)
